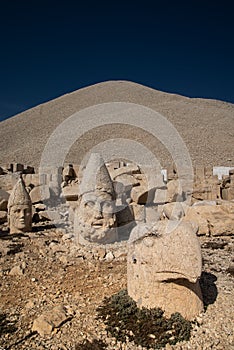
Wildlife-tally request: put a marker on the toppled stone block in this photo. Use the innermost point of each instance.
(127, 170)
(173, 211)
(227, 193)
(151, 213)
(50, 215)
(71, 191)
(214, 220)
(160, 195)
(128, 181)
(138, 212)
(174, 191)
(32, 180)
(40, 194)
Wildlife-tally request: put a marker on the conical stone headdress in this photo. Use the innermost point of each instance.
(19, 195)
(96, 176)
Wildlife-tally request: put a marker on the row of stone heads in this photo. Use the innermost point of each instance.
(167, 252)
(95, 182)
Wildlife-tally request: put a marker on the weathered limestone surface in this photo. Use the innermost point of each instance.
(95, 219)
(19, 209)
(173, 211)
(174, 191)
(164, 265)
(40, 194)
(214, 220)
(49, 320)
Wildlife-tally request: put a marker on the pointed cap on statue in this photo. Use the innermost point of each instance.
(96, 176)
(19, 195)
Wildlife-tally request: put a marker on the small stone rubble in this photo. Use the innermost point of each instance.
(47, 269)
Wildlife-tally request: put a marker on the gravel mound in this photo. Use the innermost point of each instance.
(206, 126)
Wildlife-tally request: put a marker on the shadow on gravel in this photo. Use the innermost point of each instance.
(94, 345)
(6, 326)
(208, 288)
(7, 236)
(43, 228)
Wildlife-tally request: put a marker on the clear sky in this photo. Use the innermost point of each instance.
(49, 48)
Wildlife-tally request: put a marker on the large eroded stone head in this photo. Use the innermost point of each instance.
(19, 209)
(164, 265)
(95, 219)
(170, 247)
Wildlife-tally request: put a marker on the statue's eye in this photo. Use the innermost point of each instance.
(89, 204)
(107, 207)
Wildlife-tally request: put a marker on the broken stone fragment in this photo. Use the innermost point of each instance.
(173, 211)
(49, 320)
(16, 271)
(40, 194)
(174, 191)
(213, 220)
(50, 215)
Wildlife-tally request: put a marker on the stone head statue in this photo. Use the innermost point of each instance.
(95, 219)
(19, 209)
(164, 266)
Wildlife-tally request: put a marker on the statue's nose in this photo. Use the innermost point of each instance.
(98, 215)
(98, 211)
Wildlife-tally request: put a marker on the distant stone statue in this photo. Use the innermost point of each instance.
(95, 219)
(164, 264)
(19, 209)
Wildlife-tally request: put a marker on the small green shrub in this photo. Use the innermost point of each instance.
(94, 345)
(146, 327)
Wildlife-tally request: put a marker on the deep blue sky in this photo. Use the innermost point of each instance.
(49, 48)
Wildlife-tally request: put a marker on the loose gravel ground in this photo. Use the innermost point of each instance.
(45, 268)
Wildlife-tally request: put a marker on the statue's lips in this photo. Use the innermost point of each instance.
(97, 224)
(101, 223)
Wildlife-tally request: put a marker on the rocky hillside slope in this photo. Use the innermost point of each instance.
(206, 126)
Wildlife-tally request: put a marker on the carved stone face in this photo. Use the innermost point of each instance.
(96, 218)
(20, 218)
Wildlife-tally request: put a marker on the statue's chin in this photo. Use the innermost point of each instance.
(97, 234)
